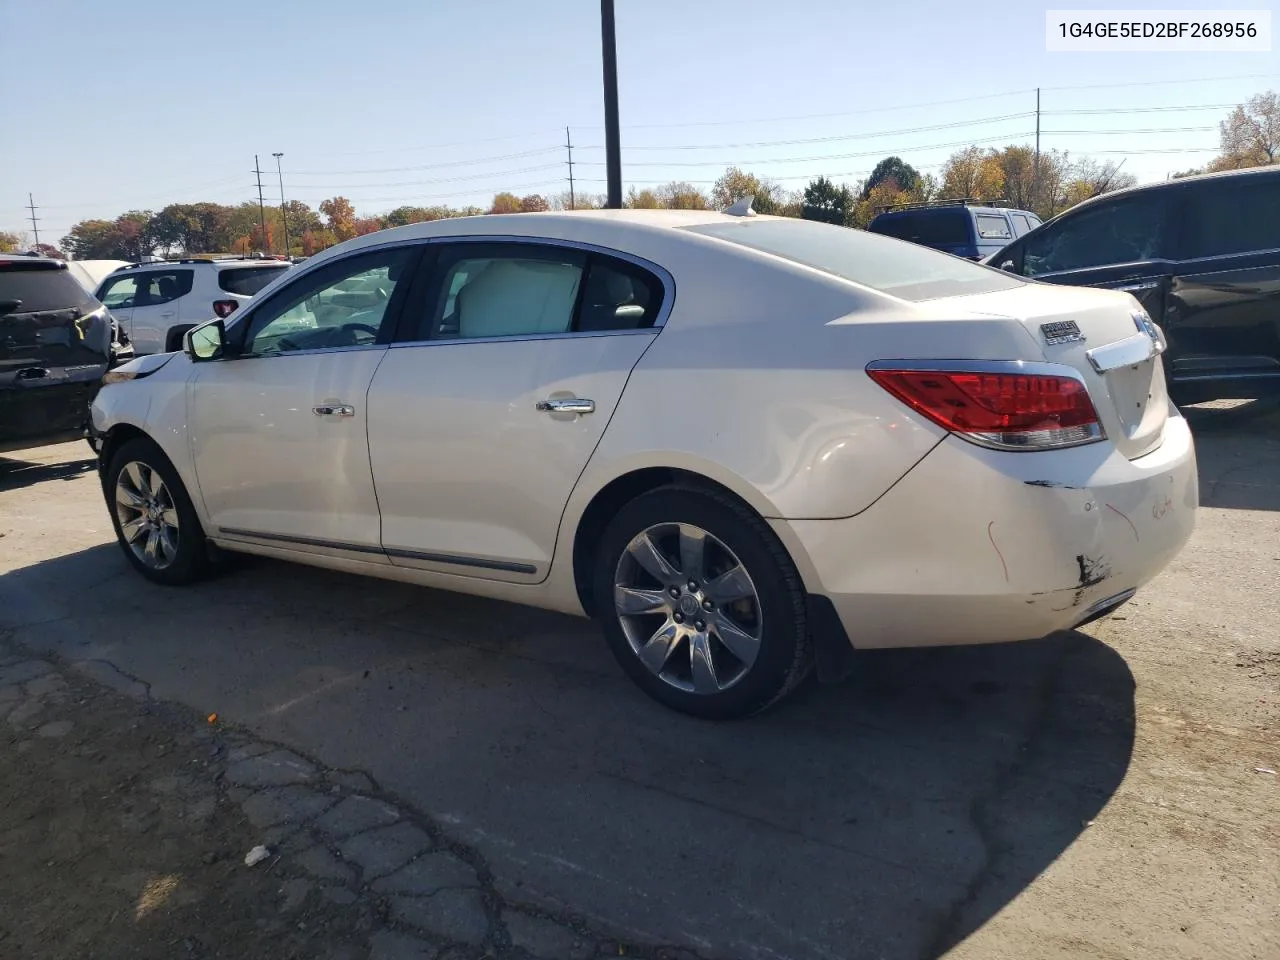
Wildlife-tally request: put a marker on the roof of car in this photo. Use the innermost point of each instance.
(224, 263)
(1175, 184)
(33, 260)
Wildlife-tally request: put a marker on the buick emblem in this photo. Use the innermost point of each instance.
(1061, 331)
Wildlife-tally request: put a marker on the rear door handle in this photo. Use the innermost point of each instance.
(571, 405)
(334, 410)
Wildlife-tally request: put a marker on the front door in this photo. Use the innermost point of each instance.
(280, 431)
(482, 420)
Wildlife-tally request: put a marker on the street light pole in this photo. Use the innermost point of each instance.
(612, 146)
(284, 216)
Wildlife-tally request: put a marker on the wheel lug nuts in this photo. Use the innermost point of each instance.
(707, 604)
(693, 585)
(678, 618)
(700, 625)
(675, 592)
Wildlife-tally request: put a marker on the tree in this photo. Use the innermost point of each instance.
(579, 201)
(534, 203)
(1089, 179)
(366, 225)
(128, 237)
(973, 172)
(824, 201)
(341, 217)
(9, 242)
(892, 167)
(505, 202)
(887, 193)
(1250, 136)
(644, 199)
(679, 195)
(48, 250)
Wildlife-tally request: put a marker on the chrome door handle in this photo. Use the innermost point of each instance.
(572, 405)
(334, 410)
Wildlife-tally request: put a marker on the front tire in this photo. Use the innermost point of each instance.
(155, 523)
(701, 605)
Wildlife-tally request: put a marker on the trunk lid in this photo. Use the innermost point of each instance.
(1098, 333)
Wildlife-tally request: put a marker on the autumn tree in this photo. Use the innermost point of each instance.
(578, 201)
(973, 172)
(1250, 136)
(645, 199)
(679, 195)
(505, 203)
(49, 250)
(9, 242)
(341, 217)
(908, 179)
(887, 193)
(534, 203)
(734, 184)
(366, 225)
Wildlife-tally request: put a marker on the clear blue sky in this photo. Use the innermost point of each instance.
(135, 104)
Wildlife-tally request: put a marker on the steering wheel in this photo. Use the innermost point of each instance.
(366, 328)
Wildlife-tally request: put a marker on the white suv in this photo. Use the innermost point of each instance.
(149, 299)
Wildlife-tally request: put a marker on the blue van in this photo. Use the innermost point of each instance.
(967, 228)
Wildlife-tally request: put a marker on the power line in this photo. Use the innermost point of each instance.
(417, 183)
(428, 166)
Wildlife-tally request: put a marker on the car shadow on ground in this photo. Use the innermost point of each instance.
(1238, 450)
(16, 474)
(887, 816)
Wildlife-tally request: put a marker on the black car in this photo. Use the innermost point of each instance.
(1202, 255)
(55, 347)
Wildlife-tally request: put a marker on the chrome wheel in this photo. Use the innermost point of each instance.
(688, 608)
(147, 514)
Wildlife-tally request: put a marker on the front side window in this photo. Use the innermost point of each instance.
(1128, 230)
(119, 293)
(992, 227)
(344, 304)
(1233, 215)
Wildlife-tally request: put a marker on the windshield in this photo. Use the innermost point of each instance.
(904, 270)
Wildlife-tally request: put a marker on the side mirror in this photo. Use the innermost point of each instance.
(208, 341)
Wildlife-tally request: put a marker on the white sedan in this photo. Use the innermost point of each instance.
(746, 444)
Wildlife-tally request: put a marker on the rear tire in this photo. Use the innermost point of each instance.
(155, 523)
(701, 605)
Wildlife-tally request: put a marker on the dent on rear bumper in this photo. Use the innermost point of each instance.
(982, 546)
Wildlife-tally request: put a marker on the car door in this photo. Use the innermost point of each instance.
(1223, 313)
(279, 431)
(155, 306)
(1124, 243)
(483, 416)
(118, 293)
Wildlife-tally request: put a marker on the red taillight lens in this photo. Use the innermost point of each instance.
(225, 308)
(1009, 411)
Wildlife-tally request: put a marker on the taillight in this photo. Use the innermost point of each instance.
(1006, 410)
(225, 308)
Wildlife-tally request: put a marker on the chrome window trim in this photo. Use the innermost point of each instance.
(519, 338)
(313, 352)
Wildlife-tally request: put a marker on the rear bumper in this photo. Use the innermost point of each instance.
(982, 546)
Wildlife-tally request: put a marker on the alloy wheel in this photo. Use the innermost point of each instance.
(147, 514)
(688, 608)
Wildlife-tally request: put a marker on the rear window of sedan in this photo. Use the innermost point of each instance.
(901, 269)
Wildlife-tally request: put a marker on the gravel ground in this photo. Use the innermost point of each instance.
(437, 776)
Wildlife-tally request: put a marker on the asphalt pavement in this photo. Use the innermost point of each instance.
(1094, 794)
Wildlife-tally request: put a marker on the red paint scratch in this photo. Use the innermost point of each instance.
(1004, 566)
(1121, 515)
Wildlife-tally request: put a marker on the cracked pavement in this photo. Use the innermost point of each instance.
(1091, 795)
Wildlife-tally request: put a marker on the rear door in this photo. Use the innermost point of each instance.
(483, 417)
(55, 342)
(155, 307)
(1223, 313)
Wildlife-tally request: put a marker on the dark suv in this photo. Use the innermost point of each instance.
(1202, 255)
(964, 228)
(55, 346)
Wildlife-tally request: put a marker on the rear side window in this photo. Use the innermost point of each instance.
(933, 228)
(907, 271)
(24, 289)
(162, 287)
(1232, 216)
(618, 296)
(992, 227)
(246, 281)
(1127, 230)
(1021, 224)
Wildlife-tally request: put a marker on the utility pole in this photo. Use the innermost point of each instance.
(31, 205)
(262, 207)
(612, 146)
(284, 217)
(569, 146)
(1035, 176)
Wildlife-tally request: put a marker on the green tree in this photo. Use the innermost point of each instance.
(892, 168)
(823, 200)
